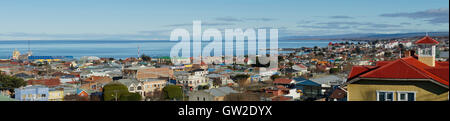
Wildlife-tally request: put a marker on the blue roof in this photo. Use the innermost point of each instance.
(211, 69)
(49, 57)
(303, 81)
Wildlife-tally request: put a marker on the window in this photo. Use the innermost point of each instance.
(43, 95)
(426, 50)
(385, 96)
(406, 96)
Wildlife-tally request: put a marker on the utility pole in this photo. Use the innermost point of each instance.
(116, 95)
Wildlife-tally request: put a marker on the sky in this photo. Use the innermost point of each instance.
(155, 19)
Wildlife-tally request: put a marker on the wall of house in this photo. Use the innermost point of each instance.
(425, 91)
(32, 94)
(430, 61)
(154, 85)
(57, 95)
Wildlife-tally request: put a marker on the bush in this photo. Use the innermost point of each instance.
(173, 92)
(133, 97)
(110, 91)
(11, 82)
(334, 70)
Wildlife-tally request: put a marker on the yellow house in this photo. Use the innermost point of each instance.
(55, 95)
(407, 79)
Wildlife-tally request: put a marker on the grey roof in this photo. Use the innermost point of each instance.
(328, 79)
(152, 79)
(214, 75)
(128, 82)
(222, 91)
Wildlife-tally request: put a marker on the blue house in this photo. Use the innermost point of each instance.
(310, 89)
(32, 93)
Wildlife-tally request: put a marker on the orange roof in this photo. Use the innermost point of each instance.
(98, 79)
(426, 40)
(404, 68)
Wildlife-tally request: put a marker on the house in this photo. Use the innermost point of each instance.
(193, 80)
(68, 78)
(32, 93)
(284, 82)
(146, 73)
(338, 94)
(134, 86)
(152, 85)
(300, 68)
(82, 93)
(55, 94)
(215, 94)
(220, 79)
(308, 89)
(95, 83)
(328, 82)
(413, 78)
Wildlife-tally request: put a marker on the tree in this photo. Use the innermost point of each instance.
(11, 82)
(203, 87)
(173, 92)
(334, 70)
(131, 97)
(146, 58)
(241, 79)
(273, 77)
(112, 91)
(358, 50)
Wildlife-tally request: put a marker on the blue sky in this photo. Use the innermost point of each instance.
(153, 20)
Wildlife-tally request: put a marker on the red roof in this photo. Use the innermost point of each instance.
(46, 82)
(404, 68)
(427, 40)
(282, 81)
(301, 66)
(356, 70)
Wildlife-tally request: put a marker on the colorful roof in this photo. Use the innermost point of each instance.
(282, 81)
(404, 68)
(47, 82)
(426, 40)
(303, 81)
(338, 94)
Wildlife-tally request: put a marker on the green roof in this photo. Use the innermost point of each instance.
(6, 98)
